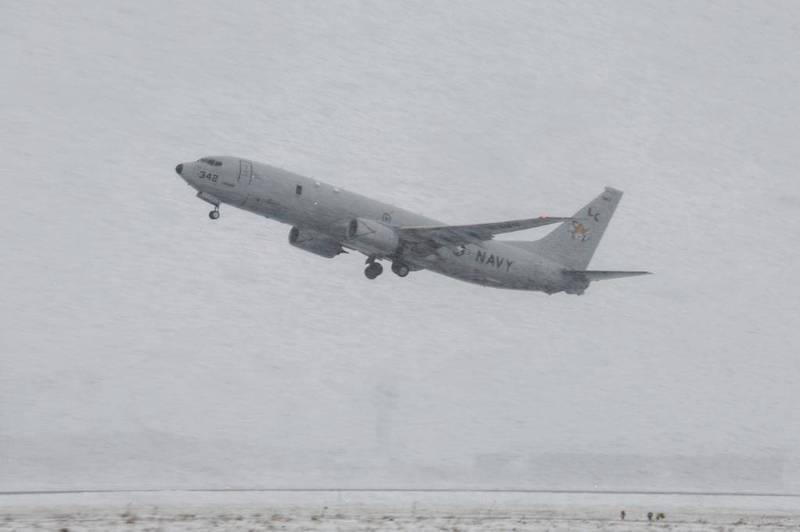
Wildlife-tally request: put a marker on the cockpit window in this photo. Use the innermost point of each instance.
(211, 162)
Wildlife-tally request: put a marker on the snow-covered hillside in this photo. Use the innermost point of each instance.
(143, 345)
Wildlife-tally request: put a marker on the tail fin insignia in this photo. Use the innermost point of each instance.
(579, 231)
(573, 243)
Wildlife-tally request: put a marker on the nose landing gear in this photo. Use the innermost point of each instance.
(208, 198)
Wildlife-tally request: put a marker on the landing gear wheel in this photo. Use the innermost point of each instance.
(373, 270)
(214, 214)
(400, 269)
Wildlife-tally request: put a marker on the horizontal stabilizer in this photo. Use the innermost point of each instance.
(598, 275)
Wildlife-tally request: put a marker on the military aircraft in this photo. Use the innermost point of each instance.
(327, 220)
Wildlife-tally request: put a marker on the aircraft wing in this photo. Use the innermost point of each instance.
(456, 235)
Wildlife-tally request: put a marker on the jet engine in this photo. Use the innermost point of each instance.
(372, 237)
(315, 242)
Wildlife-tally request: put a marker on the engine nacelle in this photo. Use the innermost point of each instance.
(315, 242)
(372, 237)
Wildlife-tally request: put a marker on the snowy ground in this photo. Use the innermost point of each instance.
(392, 511)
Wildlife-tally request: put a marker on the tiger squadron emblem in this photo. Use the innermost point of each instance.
(580, 231)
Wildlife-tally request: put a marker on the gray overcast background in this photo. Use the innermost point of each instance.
(142, 345)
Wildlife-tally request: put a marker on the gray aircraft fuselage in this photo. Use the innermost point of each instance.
(322, 209)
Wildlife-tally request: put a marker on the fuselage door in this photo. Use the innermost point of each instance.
(245, 173)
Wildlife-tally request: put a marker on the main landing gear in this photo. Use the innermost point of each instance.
(373, 268)
(400, 269)
(214, 214)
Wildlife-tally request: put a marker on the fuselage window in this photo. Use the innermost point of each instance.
(298, 189)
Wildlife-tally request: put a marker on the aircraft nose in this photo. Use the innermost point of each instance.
(179, 169)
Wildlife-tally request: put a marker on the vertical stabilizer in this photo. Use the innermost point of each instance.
(573, 243)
